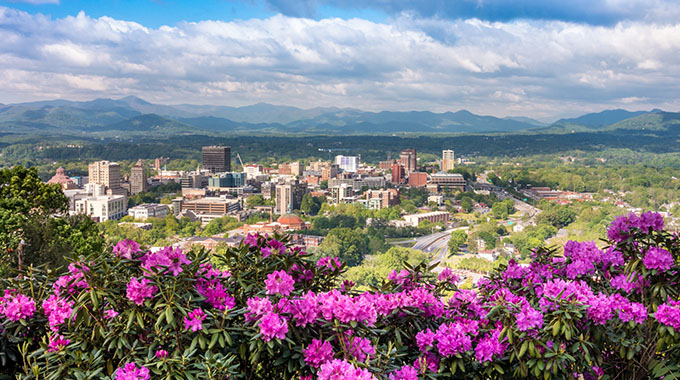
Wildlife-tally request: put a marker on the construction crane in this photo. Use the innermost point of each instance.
(243, 168)
(331, 150)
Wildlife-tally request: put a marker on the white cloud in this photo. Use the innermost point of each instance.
(537, 68)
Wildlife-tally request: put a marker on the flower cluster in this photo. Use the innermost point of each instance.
(169, 258)
(318, 353)
(210, 285)
(194, 320)
(126, 249)
(57, 343)
(57, 310)
(279, 282)
(621, 227)
(658, 258)
(138, 291)
(130, 372)
(669, 314)
(343, 370)
(16, 306)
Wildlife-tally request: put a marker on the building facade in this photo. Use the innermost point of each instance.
(434, 217)
(107, 174)
(417, 179)
(398, 174)
(347, 163)
(148, 210)
(409, 160)
(289, 197)
(138, 180)
(230, 179)
(448, 160)
(102, 208)
(448, 181)
(217, 159)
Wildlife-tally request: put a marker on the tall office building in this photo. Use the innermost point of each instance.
(409, 160)
(398, 173)
(138, 181)
(347, 163)
(448, 162)
(289, 197)
(107, 174)
(217, 159)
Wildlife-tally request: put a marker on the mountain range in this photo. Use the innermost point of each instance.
(130, 116)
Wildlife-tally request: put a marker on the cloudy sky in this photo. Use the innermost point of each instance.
(539, 58)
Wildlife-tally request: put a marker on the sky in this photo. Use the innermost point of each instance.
(543, 59)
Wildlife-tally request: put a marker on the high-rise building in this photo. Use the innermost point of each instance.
(289, 197)
(347, 163)
(159, 162)
(217, 159)
(138, 181)
(107, 174)
(448, 162)
(329, 172)
(409, 160)
(398, 173)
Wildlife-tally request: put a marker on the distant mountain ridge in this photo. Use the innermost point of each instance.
(130, 115)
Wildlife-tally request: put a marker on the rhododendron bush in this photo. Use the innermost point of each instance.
(266, 310)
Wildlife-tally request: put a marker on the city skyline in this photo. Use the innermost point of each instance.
(539, 59)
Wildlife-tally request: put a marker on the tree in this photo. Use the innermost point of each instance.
(457, 239)
(27, 207)
(310, 205)
(467, 204)
(349, 245)
(255, 200)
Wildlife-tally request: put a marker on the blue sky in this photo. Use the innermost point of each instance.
(539, 58)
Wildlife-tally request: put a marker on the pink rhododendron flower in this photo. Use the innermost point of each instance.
(15, 306)
(168, 257)
(126, 249)
(161, 354)
(279, 282)
(489, 346)
(194, 320)
(425, 339)
(138, 290)
(406, 372)
(273, 326)
(57, 310)
(448, 275)
(658, 258)
(131, 372)
(273, 247)
(318, 353)
(343, 370)
(57, 343)
(257, 307)
(359, 347)
(669, 314)
(110, 314)
(529, 318)
(209, 285)
(251, 240)
(329, 263)
(429, 360)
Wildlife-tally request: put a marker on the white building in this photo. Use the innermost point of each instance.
(102, 208)
(448, 160)
(434, 217)
(148, 210)
(347, 163)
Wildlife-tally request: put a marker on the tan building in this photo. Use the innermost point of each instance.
(379, 199)
(434, 217)
(448, 160)
(329, 172)
(105, 173)
(409, 160)
(452, 181)
(289, 197)
(138, 180)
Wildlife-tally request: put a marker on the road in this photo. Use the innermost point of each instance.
(437, 242)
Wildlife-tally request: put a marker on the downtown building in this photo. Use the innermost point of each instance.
(289, 197)
(409, 160)
(138, 180)
(216, 159)
(448, 160)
